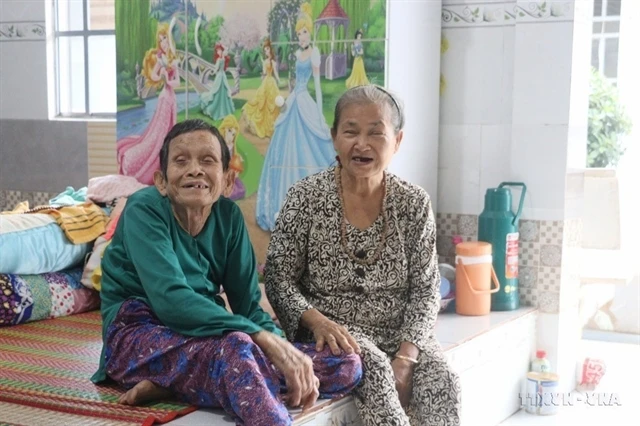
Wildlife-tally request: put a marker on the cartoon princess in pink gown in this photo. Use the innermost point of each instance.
(138, 155)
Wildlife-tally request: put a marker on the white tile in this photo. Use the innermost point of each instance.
(547, 333)
(539, 159)
(23, 86)
(417, 21)
(542, 73)
(508, 58)
(457, 194)
(459, 169)
(459, 147)
(495, 156)
(555, 10)
(22, 11)
(473, 68)
(218, 417)
(577, 145)
(457, 329)
(203, 417)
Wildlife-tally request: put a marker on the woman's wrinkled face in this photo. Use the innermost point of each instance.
(304, 37)
(194, 170)
(366, 139)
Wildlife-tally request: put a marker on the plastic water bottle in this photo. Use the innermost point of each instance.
(541, 364)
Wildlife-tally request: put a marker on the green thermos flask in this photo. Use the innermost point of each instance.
(498, 225)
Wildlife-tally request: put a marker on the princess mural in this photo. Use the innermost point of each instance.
(301, 144)
(138, 155)
(358, 75)
(229, 129)
(261, 111)
(217, 102)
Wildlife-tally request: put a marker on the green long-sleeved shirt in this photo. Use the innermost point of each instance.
(151, 258)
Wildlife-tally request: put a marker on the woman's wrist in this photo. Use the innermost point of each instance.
(409, 351)
(310, 318)
(406, 359)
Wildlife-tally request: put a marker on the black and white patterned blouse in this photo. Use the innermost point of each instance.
(395, 298)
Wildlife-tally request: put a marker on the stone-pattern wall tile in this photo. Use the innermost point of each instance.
(551, 255)
(529, 230)
(549, 279)
(529, 254)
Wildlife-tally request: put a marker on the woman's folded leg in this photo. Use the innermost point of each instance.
(229, 371)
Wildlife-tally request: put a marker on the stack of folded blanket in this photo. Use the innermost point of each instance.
(50, 255)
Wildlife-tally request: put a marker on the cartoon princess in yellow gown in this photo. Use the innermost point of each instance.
(358, 75)
(229, 128)
(261, 111)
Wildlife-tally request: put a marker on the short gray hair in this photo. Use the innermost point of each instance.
(372, 94)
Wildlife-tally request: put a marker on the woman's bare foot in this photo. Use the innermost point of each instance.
(143, 392)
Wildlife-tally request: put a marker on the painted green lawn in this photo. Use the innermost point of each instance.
(134, 103)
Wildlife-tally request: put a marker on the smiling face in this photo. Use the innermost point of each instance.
(163, 42)
(304, 37)
(194, 170)
(365, 139)
(230, 137)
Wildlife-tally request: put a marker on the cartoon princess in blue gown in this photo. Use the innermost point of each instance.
(301, 144)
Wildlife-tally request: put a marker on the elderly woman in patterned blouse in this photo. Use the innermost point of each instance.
(352, 264)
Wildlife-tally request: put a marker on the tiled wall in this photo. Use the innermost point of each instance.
(9, 198)
(23, 51)
(42, 155)
(540, 263)
(502, 114)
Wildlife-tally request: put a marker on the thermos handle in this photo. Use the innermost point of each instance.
(494, 277)
(521, 204)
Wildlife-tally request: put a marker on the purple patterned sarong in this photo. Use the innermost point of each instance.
(227, 371)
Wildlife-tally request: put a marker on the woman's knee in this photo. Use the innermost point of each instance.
(237, 338)
(374, 358)
(351, 367)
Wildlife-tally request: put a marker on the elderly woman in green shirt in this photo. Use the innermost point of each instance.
(166, 330)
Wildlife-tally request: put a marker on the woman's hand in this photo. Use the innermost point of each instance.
(329, 332)
(403, 372)
(297, 368)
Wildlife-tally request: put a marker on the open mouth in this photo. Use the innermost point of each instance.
(362, 160)
(196, 186)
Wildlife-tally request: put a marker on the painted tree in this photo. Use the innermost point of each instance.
(358, 12)
(238, 33)
(375, 28)
(208, 35)
(133, 41)
(282, 27)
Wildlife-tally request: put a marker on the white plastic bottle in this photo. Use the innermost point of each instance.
(541, 364)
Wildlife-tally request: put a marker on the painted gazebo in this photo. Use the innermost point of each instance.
(333, 65)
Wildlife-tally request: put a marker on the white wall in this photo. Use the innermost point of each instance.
(54, 152)
(23, 63)
(414, 74)
(505, 112)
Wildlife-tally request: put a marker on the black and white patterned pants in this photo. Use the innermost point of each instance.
(436, 387)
